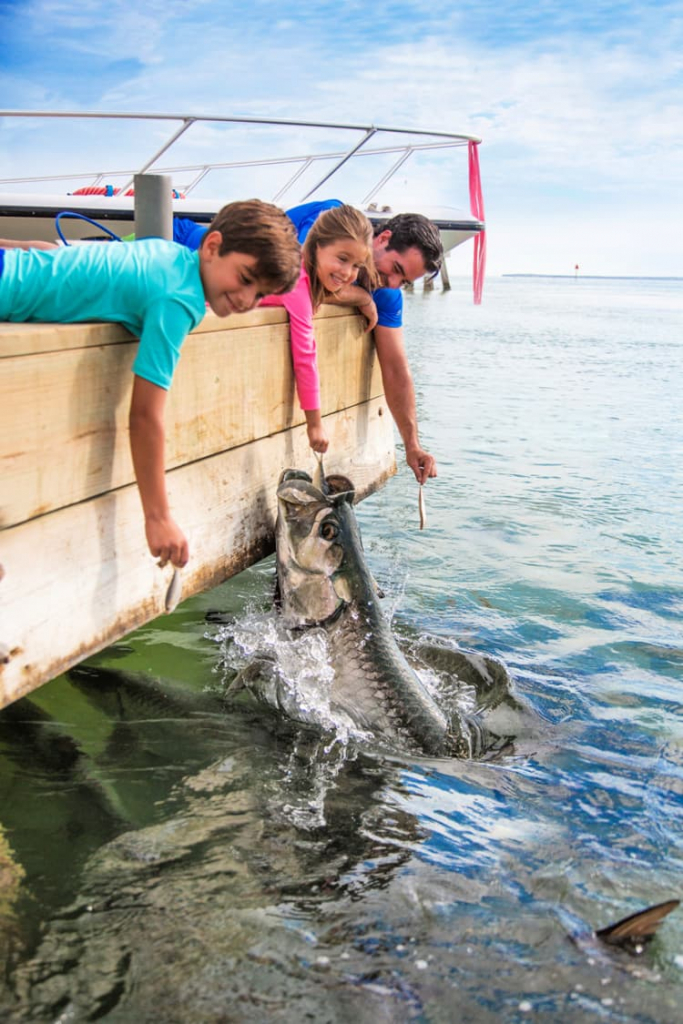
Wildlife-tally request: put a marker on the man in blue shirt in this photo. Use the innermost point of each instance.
(405, 248)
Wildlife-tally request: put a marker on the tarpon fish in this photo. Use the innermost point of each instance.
(324, 582)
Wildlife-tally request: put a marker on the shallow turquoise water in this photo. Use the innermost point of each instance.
(191, 860)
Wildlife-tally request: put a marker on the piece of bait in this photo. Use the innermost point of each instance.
(421, 506)
(174, 592)
(319, 474)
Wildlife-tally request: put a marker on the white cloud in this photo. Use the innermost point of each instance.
(579, 129)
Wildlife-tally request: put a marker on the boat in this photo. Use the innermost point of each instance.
(26, 213)
(75, 572)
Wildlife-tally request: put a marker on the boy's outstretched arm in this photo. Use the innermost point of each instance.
(165, 538)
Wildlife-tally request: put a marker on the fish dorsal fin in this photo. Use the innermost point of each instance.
(638, 928)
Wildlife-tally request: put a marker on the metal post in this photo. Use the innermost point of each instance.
(153, 206)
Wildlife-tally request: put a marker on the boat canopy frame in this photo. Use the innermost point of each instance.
(438, 139)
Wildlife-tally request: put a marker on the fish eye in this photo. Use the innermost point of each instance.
(328, 530)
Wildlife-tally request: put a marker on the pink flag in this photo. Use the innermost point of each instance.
(477, 208)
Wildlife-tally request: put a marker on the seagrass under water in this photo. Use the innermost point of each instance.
(188, 859)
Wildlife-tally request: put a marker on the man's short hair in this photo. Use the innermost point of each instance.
(413, 231)
(265, 232)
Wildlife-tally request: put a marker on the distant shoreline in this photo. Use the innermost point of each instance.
(598, 277)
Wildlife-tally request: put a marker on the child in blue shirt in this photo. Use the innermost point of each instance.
(158, 290)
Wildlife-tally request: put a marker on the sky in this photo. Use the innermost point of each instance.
(579, 105)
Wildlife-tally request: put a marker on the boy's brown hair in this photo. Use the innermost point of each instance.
(331, 226)
(265, 232)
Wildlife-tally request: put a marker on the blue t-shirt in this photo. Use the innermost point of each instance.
(187, 232)
(389, 301)
(303, 217)
(152, 287)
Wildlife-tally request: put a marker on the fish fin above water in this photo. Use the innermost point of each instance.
(485, 715)
(635, 930)
(487, 675)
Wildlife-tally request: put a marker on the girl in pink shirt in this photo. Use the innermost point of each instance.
(337, 252)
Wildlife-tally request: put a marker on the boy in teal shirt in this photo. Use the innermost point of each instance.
(158, 290)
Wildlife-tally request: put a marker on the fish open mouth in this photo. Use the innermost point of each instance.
(335, 484)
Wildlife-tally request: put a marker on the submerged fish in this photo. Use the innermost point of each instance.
(324, 582)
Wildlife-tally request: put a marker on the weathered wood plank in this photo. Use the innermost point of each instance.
(79, 578)
(64, 405)
(27, 339)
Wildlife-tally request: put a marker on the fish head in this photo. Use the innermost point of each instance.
(316, 531)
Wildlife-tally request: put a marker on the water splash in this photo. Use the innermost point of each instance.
(290, 670)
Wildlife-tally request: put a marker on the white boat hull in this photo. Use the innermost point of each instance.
(26, 216)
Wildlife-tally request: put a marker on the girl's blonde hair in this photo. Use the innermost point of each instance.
(332, 226)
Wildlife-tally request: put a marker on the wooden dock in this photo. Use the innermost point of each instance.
(75, 570)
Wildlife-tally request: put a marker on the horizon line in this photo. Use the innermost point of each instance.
(605, 277)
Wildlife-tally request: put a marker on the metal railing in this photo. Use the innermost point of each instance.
(446, 140)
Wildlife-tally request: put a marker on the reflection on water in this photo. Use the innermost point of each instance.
(191, 856)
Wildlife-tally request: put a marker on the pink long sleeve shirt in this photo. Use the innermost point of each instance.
(299, 306)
